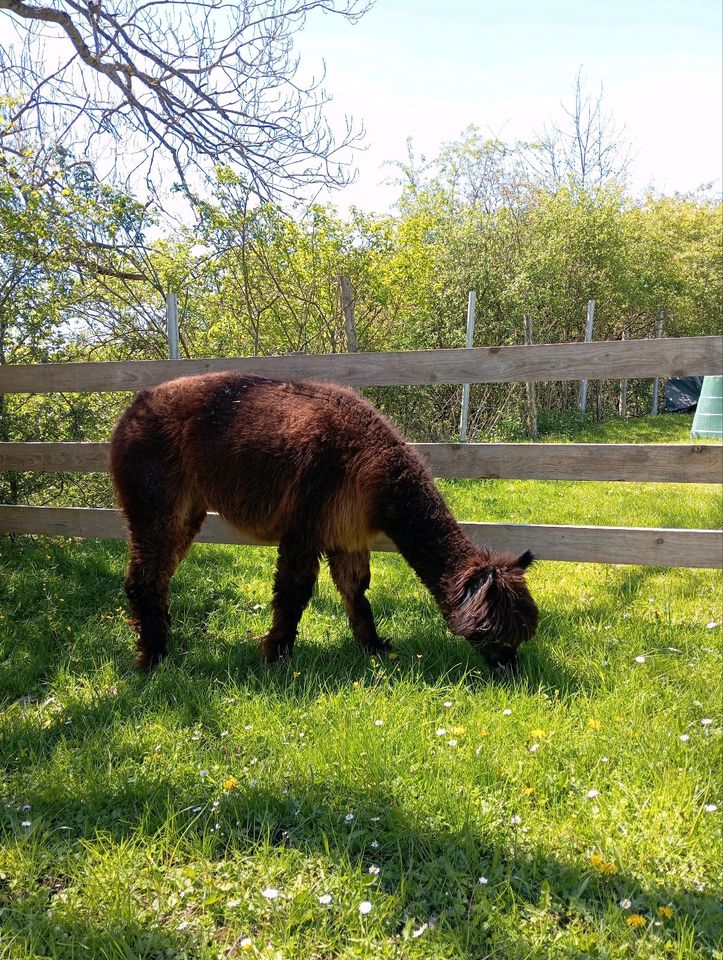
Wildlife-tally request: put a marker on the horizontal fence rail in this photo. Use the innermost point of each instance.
(642, 463)
(600, 360)
(620, 545)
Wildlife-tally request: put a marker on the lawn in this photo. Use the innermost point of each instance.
(342, 806)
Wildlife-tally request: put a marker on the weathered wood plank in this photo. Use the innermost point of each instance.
(643, 463)
(553, 361)
(620, 545)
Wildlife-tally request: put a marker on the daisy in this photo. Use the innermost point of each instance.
(325, 899)
(365, 907)
(271, 893)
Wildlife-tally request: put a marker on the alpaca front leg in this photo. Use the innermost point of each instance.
(297, 568)
(351, 574)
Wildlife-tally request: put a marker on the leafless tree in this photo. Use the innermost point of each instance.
(201, 82)
(587, 149)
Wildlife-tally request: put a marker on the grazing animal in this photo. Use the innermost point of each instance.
(317, 469)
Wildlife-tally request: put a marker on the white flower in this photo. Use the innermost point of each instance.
(711, 626)
(183, 924)
(375, 819)
(378, 723)
(684, 737)
(232, 904)
(706, 722)
(506, 713)
(626, 904)
(348, 817)
(325, 899)
(515, 820)
(374, 844)
(374, 870)
(452, 743)
(203, 773)
(448, 704)
(605, 760)
(248, 727)
(710, 808)
(419, 931)
(483, 881)
(534, 748)
(440, 731)
(640, 659)
(246, 943)
(26, 823)
(365, 907)
(271, 893)
(592, 794)
(224, 733)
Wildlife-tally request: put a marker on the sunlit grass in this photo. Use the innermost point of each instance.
(146, 816)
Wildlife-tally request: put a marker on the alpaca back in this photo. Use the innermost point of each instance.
(274, 459)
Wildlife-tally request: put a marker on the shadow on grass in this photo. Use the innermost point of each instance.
(430, 874)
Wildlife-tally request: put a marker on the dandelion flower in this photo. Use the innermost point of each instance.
(325, 899)
(392, 656)
(355, 685)
(271, 893)
(365, 907)
(230, 784)
(635, 920)
(665, 912)
(537, 734)
(594, 724)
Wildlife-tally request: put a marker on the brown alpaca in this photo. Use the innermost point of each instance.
(315, 468)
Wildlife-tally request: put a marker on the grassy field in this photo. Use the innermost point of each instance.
(342, 806)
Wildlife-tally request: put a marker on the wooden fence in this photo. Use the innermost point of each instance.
(650, 463)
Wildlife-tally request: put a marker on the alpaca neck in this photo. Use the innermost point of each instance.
(419, 522)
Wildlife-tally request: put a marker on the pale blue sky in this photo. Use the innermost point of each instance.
(428, 69)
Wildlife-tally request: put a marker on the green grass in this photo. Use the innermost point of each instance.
(143, 817)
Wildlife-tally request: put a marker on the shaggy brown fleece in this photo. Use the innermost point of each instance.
(315, 468)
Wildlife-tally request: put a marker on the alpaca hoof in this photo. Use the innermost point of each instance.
(379, 648)
(148, 660)
(274, 650)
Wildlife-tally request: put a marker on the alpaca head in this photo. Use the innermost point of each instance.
(490, 605)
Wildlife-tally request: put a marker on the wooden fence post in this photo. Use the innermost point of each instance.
(347, 309)
(623, 398)
(588, 338)
(530, 388)
(656, 382)
(471, 305)
(172, 325)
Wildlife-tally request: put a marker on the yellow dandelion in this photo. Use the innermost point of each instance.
(607, 868)
(392, 656)
(537, 734)
(635, 920)
(665, 912)
(484, 732)
(596, 860)
(419, 656)
(230, 784)
(355, 685)
(296, 674)
(594, 724)
(457, 731)
(527, 791)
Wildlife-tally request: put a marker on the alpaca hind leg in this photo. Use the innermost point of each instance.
(297, 567)
(351, 574)
(156, 549)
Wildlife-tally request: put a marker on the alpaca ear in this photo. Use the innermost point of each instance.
(525, 560)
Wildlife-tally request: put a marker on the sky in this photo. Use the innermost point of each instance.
(427, 70)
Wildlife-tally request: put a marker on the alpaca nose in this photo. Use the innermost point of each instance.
(501, 658)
